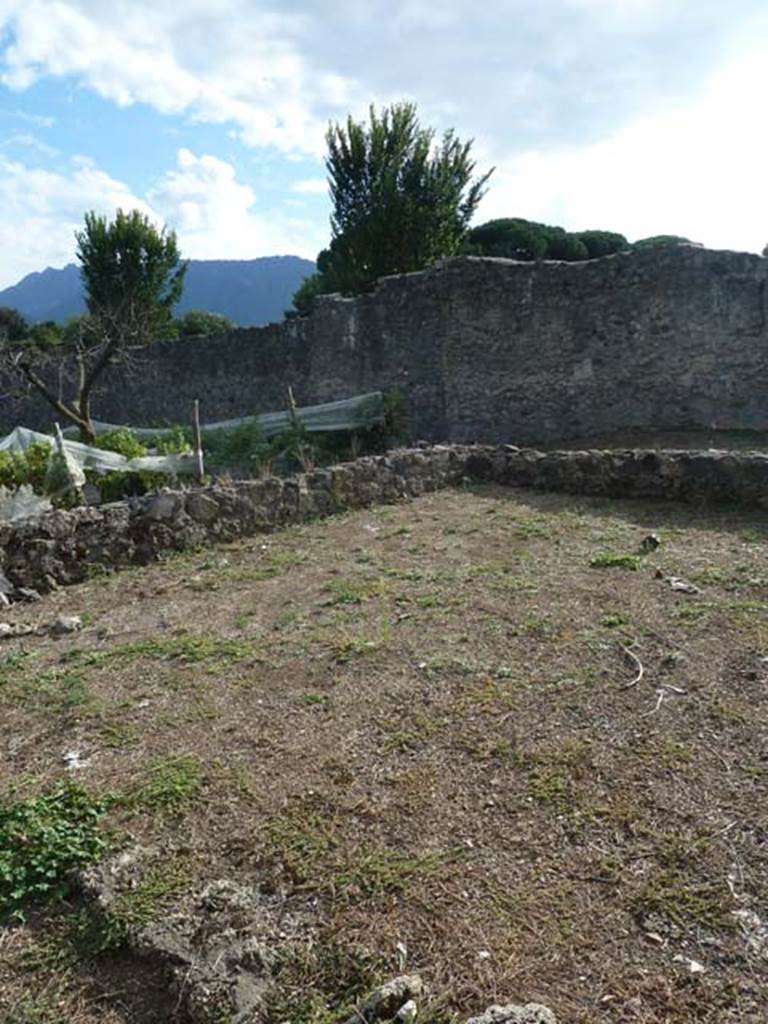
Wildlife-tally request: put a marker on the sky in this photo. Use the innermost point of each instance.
(639, 116)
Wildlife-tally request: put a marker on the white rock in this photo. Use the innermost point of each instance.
(66, 624)
(407, 1012)
(693, 965)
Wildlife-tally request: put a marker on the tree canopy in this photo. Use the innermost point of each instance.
(200, 322)
(132, 276)
(519, 239)
(13, 326)
(401, 200)
(656, 241)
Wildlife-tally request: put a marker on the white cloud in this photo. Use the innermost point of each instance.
(214, 215)
(216, 62)
(29, 142)
(38, 120)
(42, 210)
(697, 171)
(311, 186)
(517, 75)
(637, 115)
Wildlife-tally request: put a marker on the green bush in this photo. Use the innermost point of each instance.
(42, 841)
(124, 442)
(29, 467)
(243, 448)
(178, 442)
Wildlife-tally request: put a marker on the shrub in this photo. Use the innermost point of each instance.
(42, 840)
(29, 467)
(124, 442)
(178, 442)
(243, 448)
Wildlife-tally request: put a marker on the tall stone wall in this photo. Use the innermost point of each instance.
(492, 350)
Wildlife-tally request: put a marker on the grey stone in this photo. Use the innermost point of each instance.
(531, 1013)
(6, 587)
(202, 508)
(386, 1001)
(9, 630)
(216, 945)
(51, 550)
(649, 543)
(162, 506)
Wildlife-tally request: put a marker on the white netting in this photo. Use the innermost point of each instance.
(347, 414)
(86, 457)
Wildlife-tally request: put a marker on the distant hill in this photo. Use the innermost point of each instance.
(250, 292)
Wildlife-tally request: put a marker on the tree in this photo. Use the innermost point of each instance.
(518, 239)
(400, 199)
(13, 326)
(508, 237)
(199, 322)
(658, 241)
(46, 334)
(602, 243)
(132, 277)
(562, 245)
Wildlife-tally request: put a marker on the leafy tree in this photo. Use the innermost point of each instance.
(132, 277)
(519, 239)
(602, 243)
(400, 199)
(13, 326)
(562, 245)
(657, 241)
(305, 295)
(199, 322)
(46, 334)
(509, 237)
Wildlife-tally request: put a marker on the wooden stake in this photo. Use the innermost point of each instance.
(198, 440)
(292, 407)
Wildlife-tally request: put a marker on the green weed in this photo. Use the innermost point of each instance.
(169, 786)
(612, 561)
(345, 591)
(42, 840)
(138, 906)
(187, 647)
(613, 621)
(671, 894)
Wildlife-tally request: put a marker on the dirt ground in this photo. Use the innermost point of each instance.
(420, 729)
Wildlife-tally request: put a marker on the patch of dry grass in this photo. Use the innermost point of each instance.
(413, 727)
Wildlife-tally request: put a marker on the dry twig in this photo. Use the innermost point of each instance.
(638, 663)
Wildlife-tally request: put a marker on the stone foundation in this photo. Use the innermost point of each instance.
(68, 546)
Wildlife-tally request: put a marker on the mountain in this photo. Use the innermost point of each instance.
(250, 292)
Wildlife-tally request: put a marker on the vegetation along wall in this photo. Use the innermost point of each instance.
(492, 350)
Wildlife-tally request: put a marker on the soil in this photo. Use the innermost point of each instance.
(420, 730)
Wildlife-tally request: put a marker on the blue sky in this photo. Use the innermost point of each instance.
(642, 116)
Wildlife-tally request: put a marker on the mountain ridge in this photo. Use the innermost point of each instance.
(249, 292)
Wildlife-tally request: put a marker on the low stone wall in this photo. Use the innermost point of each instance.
(65, 547)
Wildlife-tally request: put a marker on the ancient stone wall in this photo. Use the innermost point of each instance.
(64, 547)
(492, 350)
